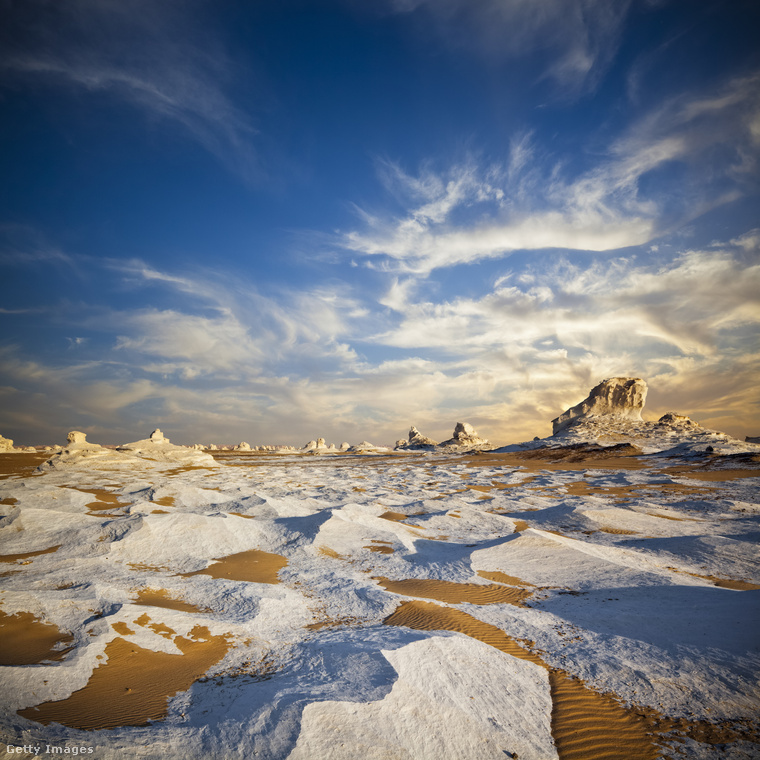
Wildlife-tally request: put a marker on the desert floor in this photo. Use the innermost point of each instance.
(563, 603)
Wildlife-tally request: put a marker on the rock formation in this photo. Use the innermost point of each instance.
(680, 421)
(621, 397)
(6, 445)
(243, 446)
(76, 438)
(158, 448)
(465, 437)
(365, 447)
(77, 450)
(416, 441)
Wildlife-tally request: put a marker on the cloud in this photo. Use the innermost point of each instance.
(162, 58)
(669, 167)
(225, 363)
(579, 38)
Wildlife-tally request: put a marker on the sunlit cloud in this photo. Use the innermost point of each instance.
(471, 213)
(292, 366)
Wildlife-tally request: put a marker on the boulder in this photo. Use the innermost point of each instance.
(77, 438)
(6, 445)
(622, 397)
(243, 446)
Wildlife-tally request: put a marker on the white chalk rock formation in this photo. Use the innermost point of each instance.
(612, 415)
(243, 446)
(158, 448)
(345, 446)
(6, 445)
(76, 451)
(416, 441)
(365, 447)
(621, 397)
(679, 422)
(465, 437)
(310, 446)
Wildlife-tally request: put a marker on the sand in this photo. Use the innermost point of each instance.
(133, 685)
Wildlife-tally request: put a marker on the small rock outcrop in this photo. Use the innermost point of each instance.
(76, 439)
(465, 437)
(76, 451)
(365, 447)
(622, 397)
(416, 441)
(243, 446)
(6, 445)
(158, 448)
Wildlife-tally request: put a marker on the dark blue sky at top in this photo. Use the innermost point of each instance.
(238, 146)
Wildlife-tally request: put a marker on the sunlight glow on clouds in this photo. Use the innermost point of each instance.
(468, 214)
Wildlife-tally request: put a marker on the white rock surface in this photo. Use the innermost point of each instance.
(6, 445)
(454, 698)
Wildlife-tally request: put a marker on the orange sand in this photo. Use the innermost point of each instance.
(253, 566)
(159, 597)
(27, 555)
(455, 593)
(134, 686)
(24, 640)
(20, 464)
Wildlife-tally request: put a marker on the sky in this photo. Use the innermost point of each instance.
(278, 220)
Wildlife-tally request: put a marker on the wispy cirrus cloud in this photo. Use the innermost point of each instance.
(710, 141)
(579, 38)
(162, 58)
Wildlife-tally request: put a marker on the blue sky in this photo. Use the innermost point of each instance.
(275, 221)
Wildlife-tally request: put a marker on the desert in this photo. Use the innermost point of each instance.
(593, 594)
